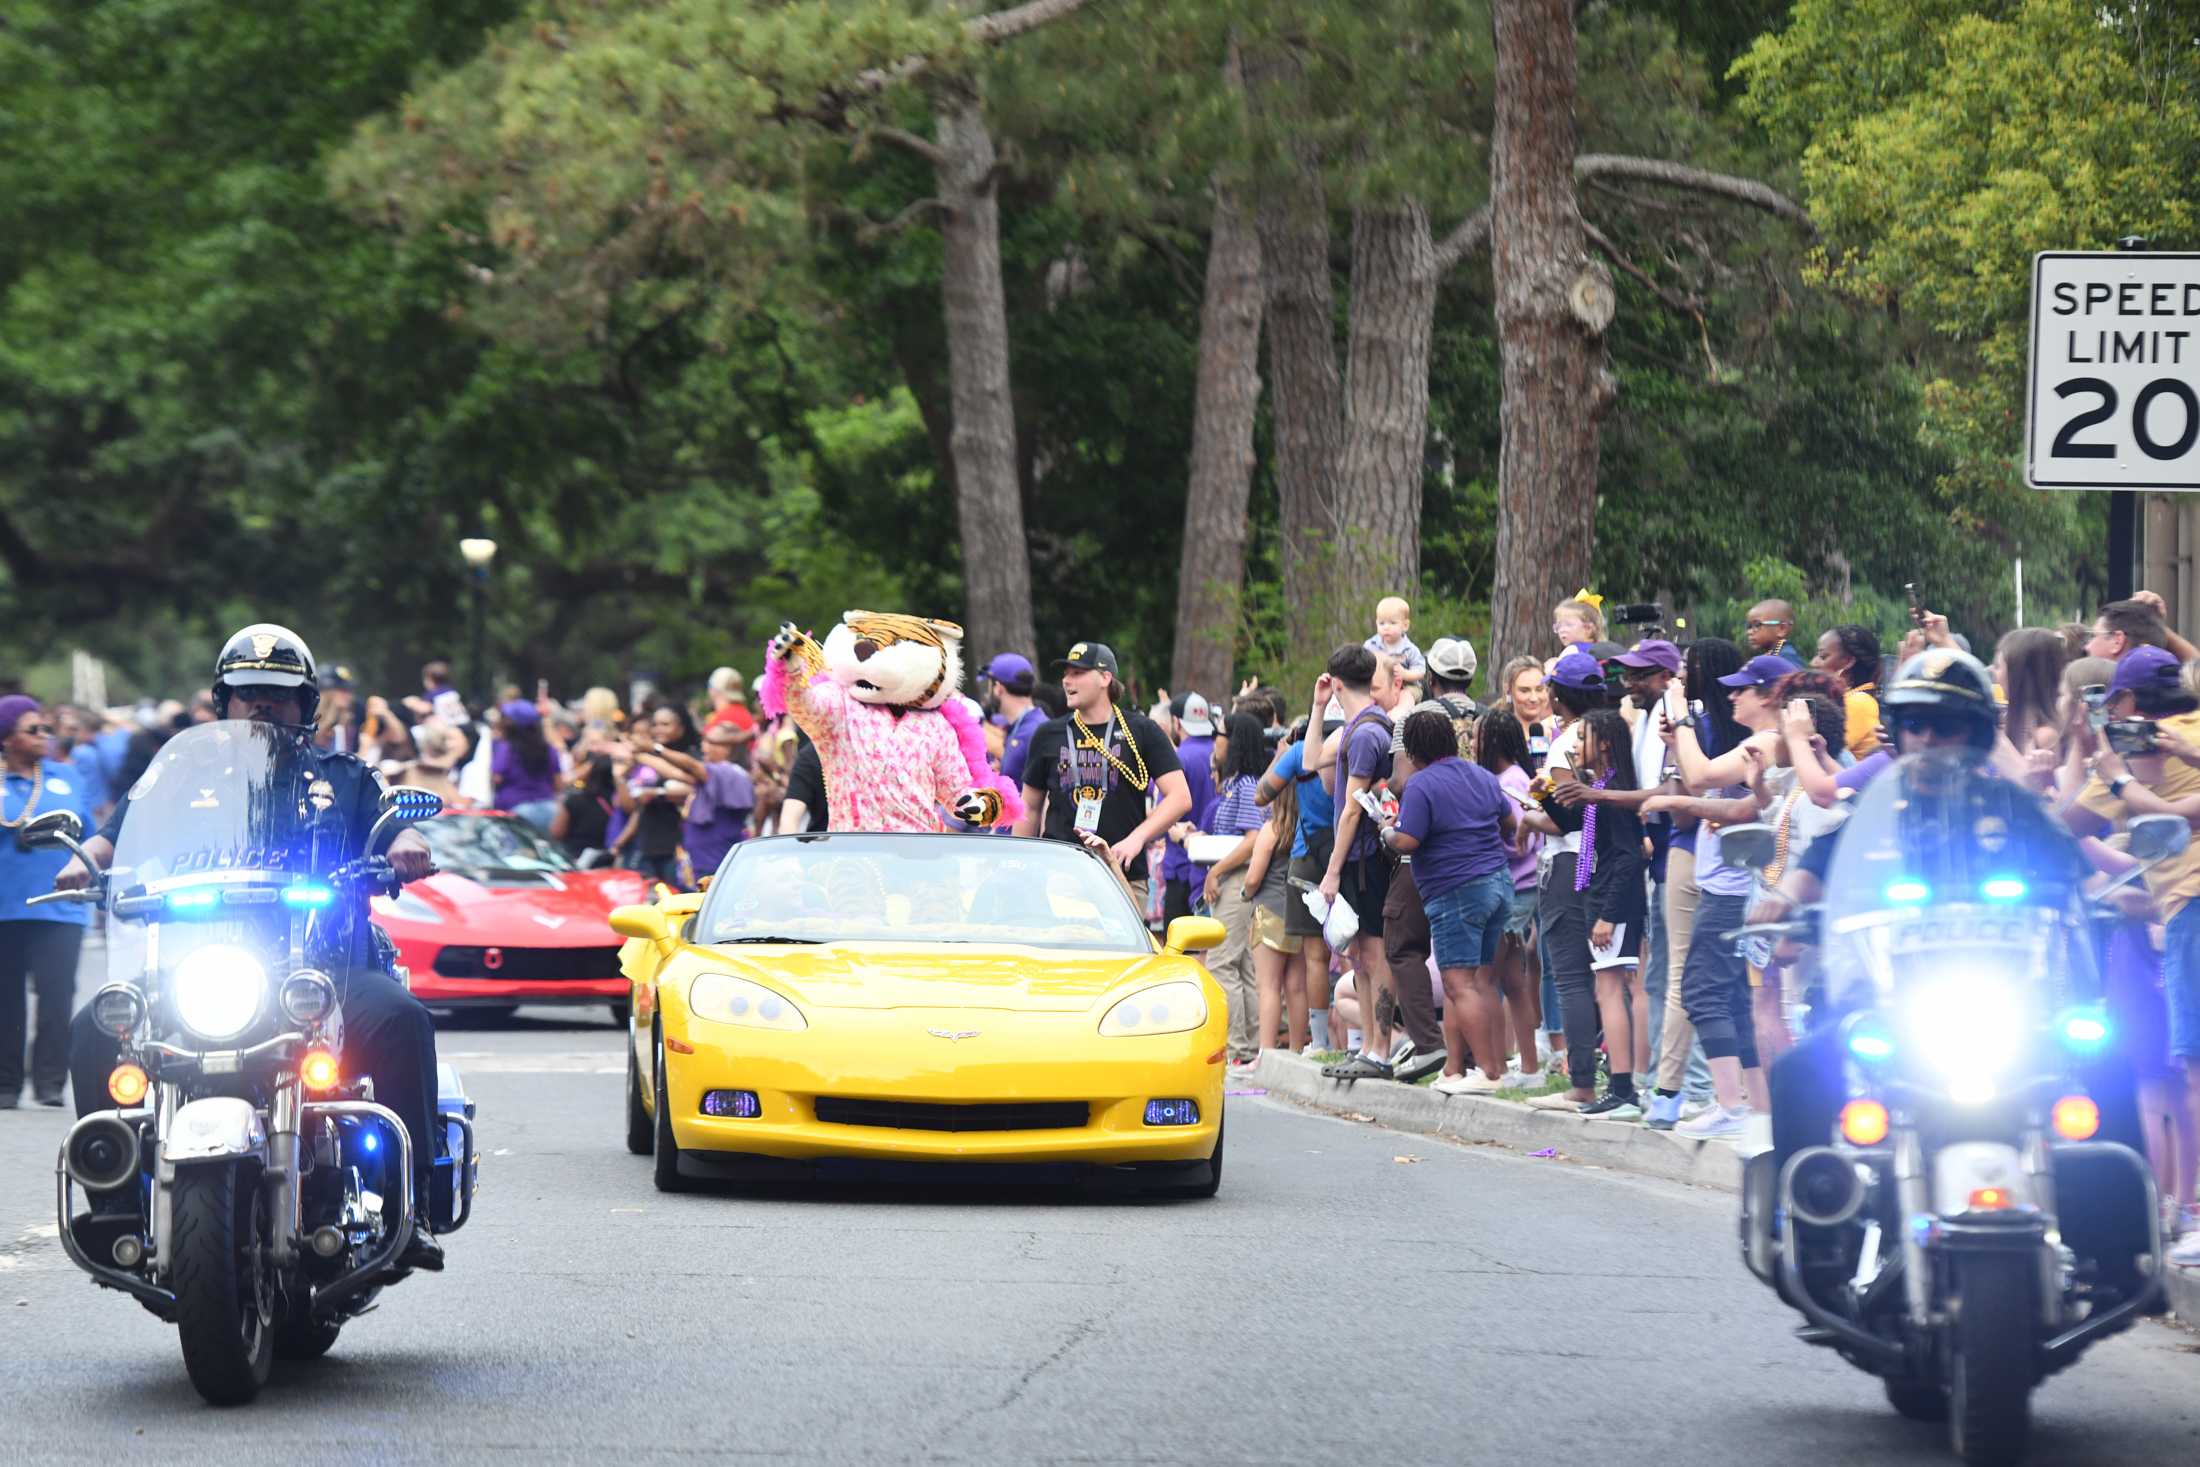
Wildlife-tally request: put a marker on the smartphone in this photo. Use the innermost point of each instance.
(2095, 694)
(2130, 735)
(1917, 604)
(542, 688)
(1676, 703)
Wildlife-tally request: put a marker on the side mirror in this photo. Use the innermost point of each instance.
(2153, 837)
(54, 828)
(408, 803)
(645, 922)
(1194, 935)
(1751, 846)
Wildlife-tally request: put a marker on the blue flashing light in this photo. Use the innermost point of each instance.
(1871, 1045)
(310, 897)
(2003, 889)
(1172, 1112)
(1907, 891)
(2085, 1030)
(370, 1140)
(194, 899)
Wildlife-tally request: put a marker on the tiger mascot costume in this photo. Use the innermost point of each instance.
(882, 700)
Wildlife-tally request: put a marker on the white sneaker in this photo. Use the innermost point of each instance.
(1715, 1122)
(1542, 1049)
(2187, 1253)
(1556, 1100)
(1521, 1080)
(1473, 1082)
(1690, 1109)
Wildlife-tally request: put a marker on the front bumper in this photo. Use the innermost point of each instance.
(892, 1055)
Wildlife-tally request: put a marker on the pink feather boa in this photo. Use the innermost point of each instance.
(771, 700)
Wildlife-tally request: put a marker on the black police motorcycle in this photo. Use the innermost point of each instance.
(1924, 1239)
(248, 1193)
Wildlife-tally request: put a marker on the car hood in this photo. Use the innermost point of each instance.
(572, 913)
(890, 976)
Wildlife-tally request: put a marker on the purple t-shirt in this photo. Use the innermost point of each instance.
(1863, 771)
(1366, 756)
(1452, 808)
(515, 784)
(718, 815)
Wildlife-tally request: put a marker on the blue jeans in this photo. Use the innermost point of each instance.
(2181, 981)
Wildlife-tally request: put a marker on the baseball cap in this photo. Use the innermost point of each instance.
(1577, 669)
(1758, 672)
(520, 712)
(1093, 656)
(1652, 652)
(2145, 667)
(1452, 658)
(1013, 672)
(1193, 711)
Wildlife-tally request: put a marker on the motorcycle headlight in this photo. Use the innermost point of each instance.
(218, 991)
(725, 999)
(1165, 1008)
(1970, 1027)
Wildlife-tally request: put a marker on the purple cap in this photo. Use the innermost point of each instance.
(1655, 652)
(1759, 673)
(12, 709)
(2146, 667)
(520, 712)
(1577, 669)
(1012, 672)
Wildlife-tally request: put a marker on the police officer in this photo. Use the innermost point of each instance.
(265, 674)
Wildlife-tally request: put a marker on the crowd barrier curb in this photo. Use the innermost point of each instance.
(1621, 1146)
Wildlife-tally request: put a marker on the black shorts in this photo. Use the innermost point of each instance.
(1366, 884)
(1297, 921)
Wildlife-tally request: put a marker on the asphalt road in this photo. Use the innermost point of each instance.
(1353, 1294)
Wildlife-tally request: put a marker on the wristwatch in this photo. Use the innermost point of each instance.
(2116, 785)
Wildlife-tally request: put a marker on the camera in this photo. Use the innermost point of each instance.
(2130, 735)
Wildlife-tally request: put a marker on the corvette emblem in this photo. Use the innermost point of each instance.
(550, 922)
(952, 1033)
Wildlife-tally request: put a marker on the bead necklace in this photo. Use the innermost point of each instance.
(1089, 740)
(30, 806)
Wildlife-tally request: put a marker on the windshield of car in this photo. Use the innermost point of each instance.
(920, 888)
(490, 843)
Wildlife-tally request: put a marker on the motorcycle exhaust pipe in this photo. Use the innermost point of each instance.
(1823, 1187)
(102, 1153)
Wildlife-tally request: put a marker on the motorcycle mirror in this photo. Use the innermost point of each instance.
(54, 828)
(2153, 837)
(1751, 846)
(408, 803)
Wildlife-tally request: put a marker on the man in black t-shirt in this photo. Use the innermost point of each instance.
(1102, 770)
(804, 808)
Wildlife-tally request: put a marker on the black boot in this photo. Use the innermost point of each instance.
(423, 1252)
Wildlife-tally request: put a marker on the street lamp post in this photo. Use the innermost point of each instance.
(478, 552)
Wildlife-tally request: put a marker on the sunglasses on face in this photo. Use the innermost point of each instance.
(1940, 725)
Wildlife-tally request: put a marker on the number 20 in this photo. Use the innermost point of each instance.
(2068, 446)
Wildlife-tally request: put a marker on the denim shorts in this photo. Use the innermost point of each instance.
(1521, 920)
(1465, 923)
(2181, 980)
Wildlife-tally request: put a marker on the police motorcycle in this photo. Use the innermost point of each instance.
(249, 1194)
(1962, 1230)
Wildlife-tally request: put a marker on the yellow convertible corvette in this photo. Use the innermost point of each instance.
(920, 998)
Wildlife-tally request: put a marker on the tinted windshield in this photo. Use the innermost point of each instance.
(1936, 859)
(490, 843)
(920, 888)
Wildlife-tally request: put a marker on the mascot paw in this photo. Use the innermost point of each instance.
(978, 807)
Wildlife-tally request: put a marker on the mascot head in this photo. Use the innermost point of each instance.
(895, 661)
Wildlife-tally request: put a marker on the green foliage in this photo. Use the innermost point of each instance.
(1816, 613)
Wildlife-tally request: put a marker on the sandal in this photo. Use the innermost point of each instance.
(1358, 1067)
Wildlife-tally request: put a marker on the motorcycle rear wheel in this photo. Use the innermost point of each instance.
(225, 1300)
(299, 1336)
(1990, 1364)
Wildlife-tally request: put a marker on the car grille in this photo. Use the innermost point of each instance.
(907, 1115)
(529, 964)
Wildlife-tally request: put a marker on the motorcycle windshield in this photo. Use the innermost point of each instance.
(225, 847)
(1940, 865)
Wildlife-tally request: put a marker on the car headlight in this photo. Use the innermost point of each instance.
(725, 999)
(1165, 1008)
(1970, 1027)
(218, 991)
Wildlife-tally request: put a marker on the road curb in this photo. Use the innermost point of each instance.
(1620, 1145)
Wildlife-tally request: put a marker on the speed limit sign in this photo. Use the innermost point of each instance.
(2111, 401)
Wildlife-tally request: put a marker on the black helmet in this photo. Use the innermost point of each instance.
(266, 655)
(1945, 681)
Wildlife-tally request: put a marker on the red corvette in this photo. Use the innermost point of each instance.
(508, 919)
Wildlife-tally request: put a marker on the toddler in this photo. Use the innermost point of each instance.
(1393, 620)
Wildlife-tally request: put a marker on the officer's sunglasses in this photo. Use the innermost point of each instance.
(1940, 725)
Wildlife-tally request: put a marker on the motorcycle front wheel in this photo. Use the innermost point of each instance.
(1990, 1367)
(225, 1298)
